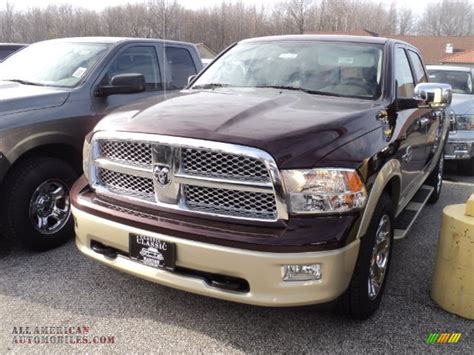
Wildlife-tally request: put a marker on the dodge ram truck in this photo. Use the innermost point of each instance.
(280, 176)
(460, 146)
(52, 94)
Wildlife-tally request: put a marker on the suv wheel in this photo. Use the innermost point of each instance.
(468, 167)
(367, 285)
(37, 209)
(435, 180)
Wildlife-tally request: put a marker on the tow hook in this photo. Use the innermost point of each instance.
(104, 250)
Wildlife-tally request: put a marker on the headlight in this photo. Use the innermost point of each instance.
(324, 191)
(464, 122)
(86, 157)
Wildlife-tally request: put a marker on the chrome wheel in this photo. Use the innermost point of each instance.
(380, 256)
(50, 207)
(439, 176)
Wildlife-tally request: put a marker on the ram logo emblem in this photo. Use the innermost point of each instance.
(162, 174)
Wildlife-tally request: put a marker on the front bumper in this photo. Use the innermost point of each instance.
(460, 146)
(262, 270)
(459, 151)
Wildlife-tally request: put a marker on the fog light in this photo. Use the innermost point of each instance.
(301, 272)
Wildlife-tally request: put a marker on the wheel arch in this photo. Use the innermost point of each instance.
(54, 145)
(388, 180)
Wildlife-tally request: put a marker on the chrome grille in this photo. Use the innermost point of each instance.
(202, 177)
(223, 165)
(126, 184)
(138, 153)
(236, 203)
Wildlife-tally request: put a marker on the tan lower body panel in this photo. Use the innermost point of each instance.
(262, 270)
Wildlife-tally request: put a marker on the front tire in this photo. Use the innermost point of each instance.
(36, 208)
(367, 285)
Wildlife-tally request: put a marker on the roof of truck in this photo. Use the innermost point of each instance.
(15, 45)
(339, 38)
(114, 40)
(450, 68)
(333, 38)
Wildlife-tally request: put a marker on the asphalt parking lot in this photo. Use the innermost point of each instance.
(62, 288)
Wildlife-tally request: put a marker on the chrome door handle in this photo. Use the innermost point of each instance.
(424, 122)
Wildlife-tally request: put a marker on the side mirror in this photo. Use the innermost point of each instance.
(123, 84)
(435, 95)
(191, 78)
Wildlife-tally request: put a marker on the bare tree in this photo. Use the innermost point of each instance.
(405, 21)
(7, 23)
(298, 14)
(448, 18)
(232, 20)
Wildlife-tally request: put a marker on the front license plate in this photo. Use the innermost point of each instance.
(152, 251)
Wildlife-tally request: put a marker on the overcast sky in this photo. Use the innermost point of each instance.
(417, 6)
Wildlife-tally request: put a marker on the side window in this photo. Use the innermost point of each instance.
(403, 75)
(139, 59)
(418, 67)
(179, 67)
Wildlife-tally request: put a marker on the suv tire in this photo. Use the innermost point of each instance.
(36, 206)
(365, 291)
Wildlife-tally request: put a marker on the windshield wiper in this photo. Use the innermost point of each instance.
(210, 86)
(308, 91)
(25, 82)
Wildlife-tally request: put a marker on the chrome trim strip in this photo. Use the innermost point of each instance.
(276, 184)
(186, 179)
(123, 168)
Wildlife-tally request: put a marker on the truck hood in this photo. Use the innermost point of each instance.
(296, 128)
(463, 104)
(15, 97)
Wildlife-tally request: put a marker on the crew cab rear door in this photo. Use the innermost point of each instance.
(179, 63)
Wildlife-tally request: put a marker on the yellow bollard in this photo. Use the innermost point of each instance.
(453, 279)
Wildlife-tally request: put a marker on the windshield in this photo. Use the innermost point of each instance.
(461, 81)
(52, 63)
(325, 68)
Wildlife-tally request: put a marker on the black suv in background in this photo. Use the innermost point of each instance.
(52, 94)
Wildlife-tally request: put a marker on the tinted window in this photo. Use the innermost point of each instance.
(5, 53)
(417, 67)
(461, 81)
(403, 74)
(179, 67)
(140, 60)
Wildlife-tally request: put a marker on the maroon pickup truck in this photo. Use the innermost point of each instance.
(279, 177)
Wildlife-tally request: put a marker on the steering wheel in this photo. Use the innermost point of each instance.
(358, 84)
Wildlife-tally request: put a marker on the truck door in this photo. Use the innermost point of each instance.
(165, 68)
(434, 118)
(413, 121)
(142, 59)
